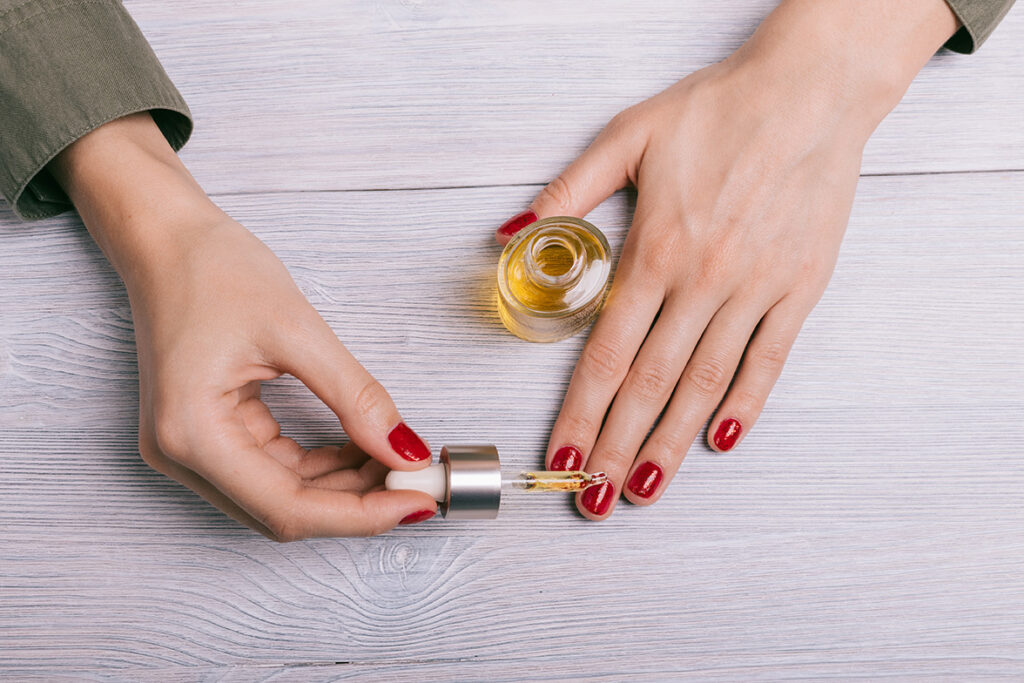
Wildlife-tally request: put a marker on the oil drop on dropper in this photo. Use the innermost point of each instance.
(467, 482)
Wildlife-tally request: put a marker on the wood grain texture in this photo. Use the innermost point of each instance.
(392, 94)
(871, 524)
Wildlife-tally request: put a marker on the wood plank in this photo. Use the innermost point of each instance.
(732, 667)
(397, 94)
(871, 524)
(907, 293)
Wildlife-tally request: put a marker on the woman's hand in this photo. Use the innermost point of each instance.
(745, 173)
(216, 313)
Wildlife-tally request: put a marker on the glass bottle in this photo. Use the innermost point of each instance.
(552, 278)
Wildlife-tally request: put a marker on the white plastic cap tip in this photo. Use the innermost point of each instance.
(432, 481)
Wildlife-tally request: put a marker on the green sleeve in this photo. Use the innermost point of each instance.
(67, 67)
(979, 19)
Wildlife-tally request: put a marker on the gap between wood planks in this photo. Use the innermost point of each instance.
(242, 193)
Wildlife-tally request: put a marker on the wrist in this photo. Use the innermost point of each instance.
(134, 195)
(852, 62)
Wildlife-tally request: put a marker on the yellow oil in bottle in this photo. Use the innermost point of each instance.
(552, 278)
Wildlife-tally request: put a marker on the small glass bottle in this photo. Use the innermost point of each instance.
(552, 278)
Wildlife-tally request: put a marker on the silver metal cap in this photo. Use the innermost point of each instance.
(474, 482)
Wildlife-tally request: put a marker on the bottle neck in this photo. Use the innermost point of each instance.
(555, 260)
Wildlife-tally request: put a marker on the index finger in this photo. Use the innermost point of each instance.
(607, 165)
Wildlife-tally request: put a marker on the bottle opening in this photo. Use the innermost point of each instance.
(555, 259)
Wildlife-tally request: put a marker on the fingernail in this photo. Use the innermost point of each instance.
(567, 458)
(597, 499)
(420, 516)
(407, 444)
(645, 480)
(517, 223)
(728, 432)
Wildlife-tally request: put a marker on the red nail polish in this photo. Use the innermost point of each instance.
(728, 432)
(567, 458)
(597, 499)
(517, 223)
(407, 444)
(645, 480)
(420, 516)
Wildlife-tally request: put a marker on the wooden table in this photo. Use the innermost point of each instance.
(871, 525)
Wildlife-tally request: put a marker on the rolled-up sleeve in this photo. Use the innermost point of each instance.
(67, 67)
(979, 19)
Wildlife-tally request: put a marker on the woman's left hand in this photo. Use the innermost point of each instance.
(745, 174)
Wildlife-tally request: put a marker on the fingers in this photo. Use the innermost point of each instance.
(203, 488)
(278, 499)
(268, 488)
(739, 356)
(308, 464)
(365, 478)
(701, 386)
(603, 363)
(762, 364)
(318, 358)
(667, 354)
(607, 165)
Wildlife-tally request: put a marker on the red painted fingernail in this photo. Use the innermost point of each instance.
(407, 444)
(517, 223)
(421, 516)
(597, 499)
(567, 458)
(728, 432)
(645, 480)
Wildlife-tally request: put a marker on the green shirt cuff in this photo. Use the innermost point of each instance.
(65, 69)
(979, 19)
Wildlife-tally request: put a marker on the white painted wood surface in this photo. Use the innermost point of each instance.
(871, 525)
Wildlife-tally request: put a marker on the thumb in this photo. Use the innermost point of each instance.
(363, 406)
(605, 166)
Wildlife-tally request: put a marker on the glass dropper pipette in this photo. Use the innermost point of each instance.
(547, 480)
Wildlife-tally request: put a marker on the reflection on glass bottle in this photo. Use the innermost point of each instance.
(552, 278)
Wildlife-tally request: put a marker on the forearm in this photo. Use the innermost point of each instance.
(846, 56)
(132, 191)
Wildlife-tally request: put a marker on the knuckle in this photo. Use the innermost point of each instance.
(624, 122)
(810, 267)
(371, 399)
(284, 528)
(650, 381)
(772, 355)
(713, 264)
(578, 428)
(666, 444)
(170, 429)
(812, 274)
(657, 261)
(745, 401)
(601, 360)
(558, 193)
(152, 456)
(705, 377)
(618, 456)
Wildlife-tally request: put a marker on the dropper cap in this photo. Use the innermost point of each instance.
(474, 482)
(466, 483)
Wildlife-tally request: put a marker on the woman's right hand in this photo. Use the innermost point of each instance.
(216, 313)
